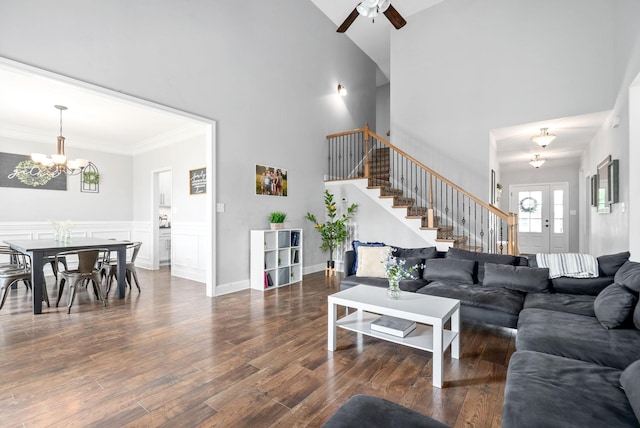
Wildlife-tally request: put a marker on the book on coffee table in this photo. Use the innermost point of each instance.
(392, 325)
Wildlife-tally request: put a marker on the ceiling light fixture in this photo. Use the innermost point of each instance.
(537, 161)
(342, 90)
(544, 139)
(371, 8)
(58, 163)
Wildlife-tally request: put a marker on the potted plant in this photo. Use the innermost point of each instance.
(276, 219)
(334, 231)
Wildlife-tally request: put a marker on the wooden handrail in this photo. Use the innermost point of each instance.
(342, 134)
(489, 207)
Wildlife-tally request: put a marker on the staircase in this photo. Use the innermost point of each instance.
(379, 178)
(458, 218)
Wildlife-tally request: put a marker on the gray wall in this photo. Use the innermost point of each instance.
(462, 68)
(267, 72)
(383, 110)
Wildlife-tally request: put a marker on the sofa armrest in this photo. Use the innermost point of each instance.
(349, 256)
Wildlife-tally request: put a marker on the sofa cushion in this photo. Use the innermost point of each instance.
(576, 336)
(630, 383)
(614, 306)
(580, 304)
(591, 286)
(521, 278)
(610, 263)
(497, 299)
(413, 262)
(629, 276)
(636, 316)
(421, 253)
(370, 261)
(481, 259)
(356, 245)
(550, 391)
(448, 269)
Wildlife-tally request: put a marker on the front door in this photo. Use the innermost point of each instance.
(542, 217)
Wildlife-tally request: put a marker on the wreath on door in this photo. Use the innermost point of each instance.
(528, 205)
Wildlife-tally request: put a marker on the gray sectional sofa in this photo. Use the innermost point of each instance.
(577, 359)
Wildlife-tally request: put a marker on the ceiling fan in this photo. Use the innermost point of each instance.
(371, 9)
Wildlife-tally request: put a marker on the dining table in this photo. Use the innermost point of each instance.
(38, 249)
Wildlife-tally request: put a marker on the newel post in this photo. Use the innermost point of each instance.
(512, 227)
(366, 151)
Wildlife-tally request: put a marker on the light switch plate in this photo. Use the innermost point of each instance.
(220, 207)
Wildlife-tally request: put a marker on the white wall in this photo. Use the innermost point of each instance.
(462, 68)
(112, 203)
(266, 72)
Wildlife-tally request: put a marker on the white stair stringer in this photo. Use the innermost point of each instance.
(412, 224)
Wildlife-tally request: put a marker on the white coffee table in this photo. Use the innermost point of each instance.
(429, 312)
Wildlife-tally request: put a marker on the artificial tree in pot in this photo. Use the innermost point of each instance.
(334, 231)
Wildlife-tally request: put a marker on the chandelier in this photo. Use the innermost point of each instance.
(537, 161)
(58, 163)
(371, 8)
(544, 139)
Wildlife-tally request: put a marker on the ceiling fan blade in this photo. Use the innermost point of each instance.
(347, 22)
(394, 17)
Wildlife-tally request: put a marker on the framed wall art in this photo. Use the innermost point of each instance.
(271, 181)
(198, 181)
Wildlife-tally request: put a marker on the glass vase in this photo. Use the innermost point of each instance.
(393, 292)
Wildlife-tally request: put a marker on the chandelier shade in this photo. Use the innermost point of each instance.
(544, 139)
(537, 161)
(57, 163)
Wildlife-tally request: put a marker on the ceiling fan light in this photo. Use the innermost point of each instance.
(384, 5)
(366, 11)
(544, 139)
(370, 3)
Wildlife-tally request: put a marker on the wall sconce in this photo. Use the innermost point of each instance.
(537, 161)
(342, 90)
(544, 139)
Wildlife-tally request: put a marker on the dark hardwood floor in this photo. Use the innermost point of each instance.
(169, 356)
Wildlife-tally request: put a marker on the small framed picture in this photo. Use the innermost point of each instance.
(198, 181)
(271, 181)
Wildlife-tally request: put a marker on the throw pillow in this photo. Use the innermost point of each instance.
(630, 383)
(422, 253)
(449, 269)
(629, 275)
(371, 261)
(614, 305)
(520, 278)
(481, 258)
(357, 244)
(610, 263)
(411, 262)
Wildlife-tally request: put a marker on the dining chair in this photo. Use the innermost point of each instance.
(88, 269)
(132, 253)
(17, 269)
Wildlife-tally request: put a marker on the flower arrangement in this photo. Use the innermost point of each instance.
(396, 270)
(334, 231)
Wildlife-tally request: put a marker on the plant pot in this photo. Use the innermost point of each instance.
(331, 264)
(277, 226)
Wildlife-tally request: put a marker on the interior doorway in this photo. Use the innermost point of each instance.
(543, 220)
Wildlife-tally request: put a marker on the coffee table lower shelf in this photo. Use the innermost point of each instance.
(420, 338)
